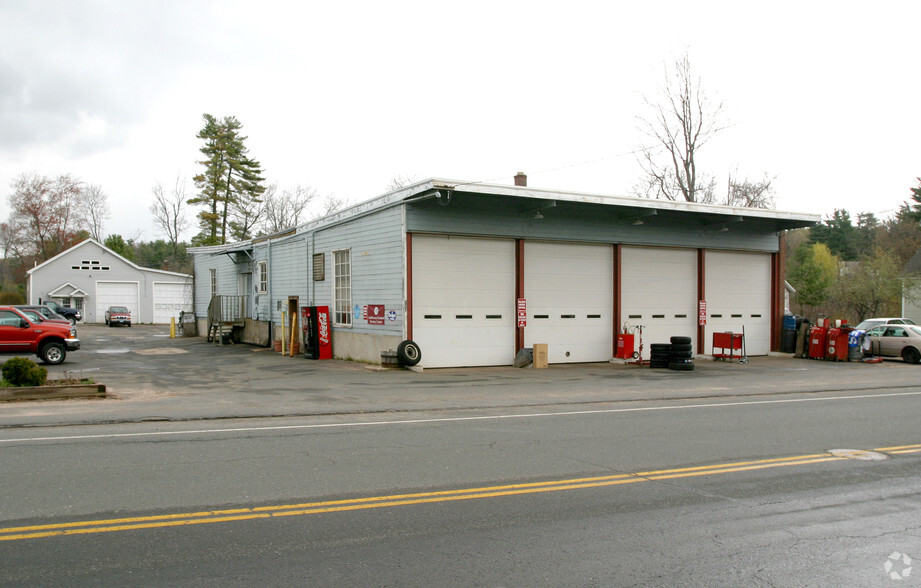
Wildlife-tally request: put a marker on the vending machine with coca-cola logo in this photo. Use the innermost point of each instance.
(317, 333)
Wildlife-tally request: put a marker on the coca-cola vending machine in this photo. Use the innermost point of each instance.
(317, 334)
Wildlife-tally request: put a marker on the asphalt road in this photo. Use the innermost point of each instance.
(696, 492)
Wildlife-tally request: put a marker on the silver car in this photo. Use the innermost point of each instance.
(896, 341)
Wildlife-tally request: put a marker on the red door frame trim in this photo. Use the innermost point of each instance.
(617, 301)
(519, 291)
(701, 295)
(409, 286)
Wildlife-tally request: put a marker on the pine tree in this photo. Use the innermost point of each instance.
(231, 179)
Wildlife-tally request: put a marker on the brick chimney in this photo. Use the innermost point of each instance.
(521, 179)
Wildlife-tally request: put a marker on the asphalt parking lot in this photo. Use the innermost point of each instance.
(150, 376)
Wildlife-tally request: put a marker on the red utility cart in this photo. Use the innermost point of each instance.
(727, 341)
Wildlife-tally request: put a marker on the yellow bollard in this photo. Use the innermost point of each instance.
(172, 327)
(283, 313)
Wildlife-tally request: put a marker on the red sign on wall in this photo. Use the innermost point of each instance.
(702, 313)
(376, 314)
(522, 313)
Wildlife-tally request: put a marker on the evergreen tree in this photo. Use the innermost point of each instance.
(231, 179)
(839, 234)
(118, 244)
(915, 209)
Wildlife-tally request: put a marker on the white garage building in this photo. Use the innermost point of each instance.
(474, 272)
(91, 277)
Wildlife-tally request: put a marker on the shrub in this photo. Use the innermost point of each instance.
(20, 371)
(7, 297)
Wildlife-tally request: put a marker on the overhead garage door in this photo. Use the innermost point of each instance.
(569, 289)
(463, 300)
(117, 294)
(659, 291)
(738, 290)
(169, 299)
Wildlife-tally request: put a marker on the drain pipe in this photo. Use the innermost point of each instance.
(269, 293)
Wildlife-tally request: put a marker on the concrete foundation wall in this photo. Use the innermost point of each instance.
(256, 332)
(362, 346)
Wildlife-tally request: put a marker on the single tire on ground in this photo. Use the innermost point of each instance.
(681, 366)
(409, 353)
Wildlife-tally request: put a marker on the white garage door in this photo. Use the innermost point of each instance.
(463, 300)
(738, 290)
(659, 291)
(169, 299)
(569, 289)
(117, 294)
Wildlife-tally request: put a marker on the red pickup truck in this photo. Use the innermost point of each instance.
(49, 341)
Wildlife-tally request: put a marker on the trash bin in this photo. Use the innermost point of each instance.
(855, 345)
(788, 341)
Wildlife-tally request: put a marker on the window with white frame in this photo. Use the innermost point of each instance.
(213, 282)
(342, 272)
(262, 274)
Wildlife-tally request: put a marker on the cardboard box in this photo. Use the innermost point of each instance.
(540, 355)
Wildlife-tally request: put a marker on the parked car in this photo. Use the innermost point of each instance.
(896, 341)
(118, 315)
(37, 316)
(875, 322)
(67, 312)
(49, 341)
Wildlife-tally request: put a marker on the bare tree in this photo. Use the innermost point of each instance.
(751, 193)
(332, 204)
(399, 181)
(168, 211)
(50, 213)
(96, 212)
(286, 208)
(682, 121)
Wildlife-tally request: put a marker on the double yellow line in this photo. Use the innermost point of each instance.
(309, 508)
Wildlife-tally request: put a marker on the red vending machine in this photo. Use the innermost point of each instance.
(317, 333)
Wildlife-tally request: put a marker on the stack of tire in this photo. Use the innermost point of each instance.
(681, 357)
(660, 355)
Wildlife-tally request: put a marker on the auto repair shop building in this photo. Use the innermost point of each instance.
(473, 272)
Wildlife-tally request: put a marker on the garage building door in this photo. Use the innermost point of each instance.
(117, 294)
(569, 289)
(463, 300)
(169, 299)
(738, 290)
(659, 291)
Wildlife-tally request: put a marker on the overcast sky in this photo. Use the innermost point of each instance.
(344, 96)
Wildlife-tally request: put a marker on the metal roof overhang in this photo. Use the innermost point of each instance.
(628, 209)
(245, 248)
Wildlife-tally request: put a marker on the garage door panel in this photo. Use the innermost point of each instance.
(169, 299)
(738, 287)
(569, 291)
(464, 300)
(117, 294)
(659, 292)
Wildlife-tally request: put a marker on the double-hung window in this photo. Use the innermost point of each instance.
(342, 284)
(213, 282)
(262, 274)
